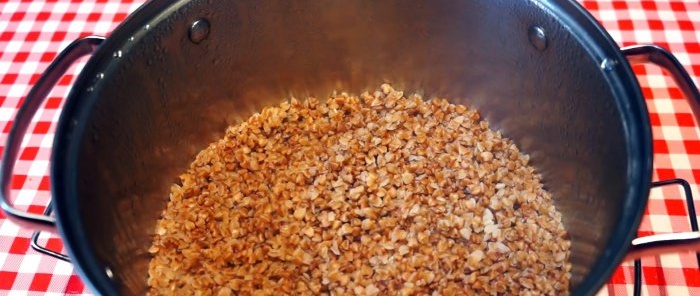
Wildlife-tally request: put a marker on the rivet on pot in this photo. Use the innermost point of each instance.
(109, 272)
(199, 30)
(608, 65)
(538, 38)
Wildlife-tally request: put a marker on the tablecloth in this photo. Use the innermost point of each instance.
(33, 32)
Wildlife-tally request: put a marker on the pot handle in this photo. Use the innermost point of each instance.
(671, 242)
(32, 102)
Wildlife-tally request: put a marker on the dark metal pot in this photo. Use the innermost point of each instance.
(176, 73)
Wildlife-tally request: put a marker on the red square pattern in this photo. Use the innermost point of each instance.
(35, 31)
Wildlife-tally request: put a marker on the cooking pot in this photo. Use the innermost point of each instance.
(171, 78)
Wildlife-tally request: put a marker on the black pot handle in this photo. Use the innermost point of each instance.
(37, 95)
(672, 242)
(34, 243)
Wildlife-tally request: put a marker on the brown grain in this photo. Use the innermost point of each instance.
(379, 194)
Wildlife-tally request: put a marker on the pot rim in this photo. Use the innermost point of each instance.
(600, 45)
(69, 132)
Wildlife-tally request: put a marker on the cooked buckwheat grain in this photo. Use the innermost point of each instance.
(380, 194)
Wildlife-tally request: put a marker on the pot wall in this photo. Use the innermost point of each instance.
(164, 97)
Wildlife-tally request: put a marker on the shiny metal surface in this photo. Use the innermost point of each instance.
(199, 30)
(664, 243)
(125, 137)
(36, 96)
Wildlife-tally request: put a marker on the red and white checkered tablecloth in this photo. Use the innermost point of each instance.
(32, 33)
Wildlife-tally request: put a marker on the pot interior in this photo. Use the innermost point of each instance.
(164, 97)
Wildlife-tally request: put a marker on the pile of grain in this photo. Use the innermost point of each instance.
(377, 195)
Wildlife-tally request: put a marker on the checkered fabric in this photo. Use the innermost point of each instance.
(32, 33)
(674, 25)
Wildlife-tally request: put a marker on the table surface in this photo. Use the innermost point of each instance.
(31, 34)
